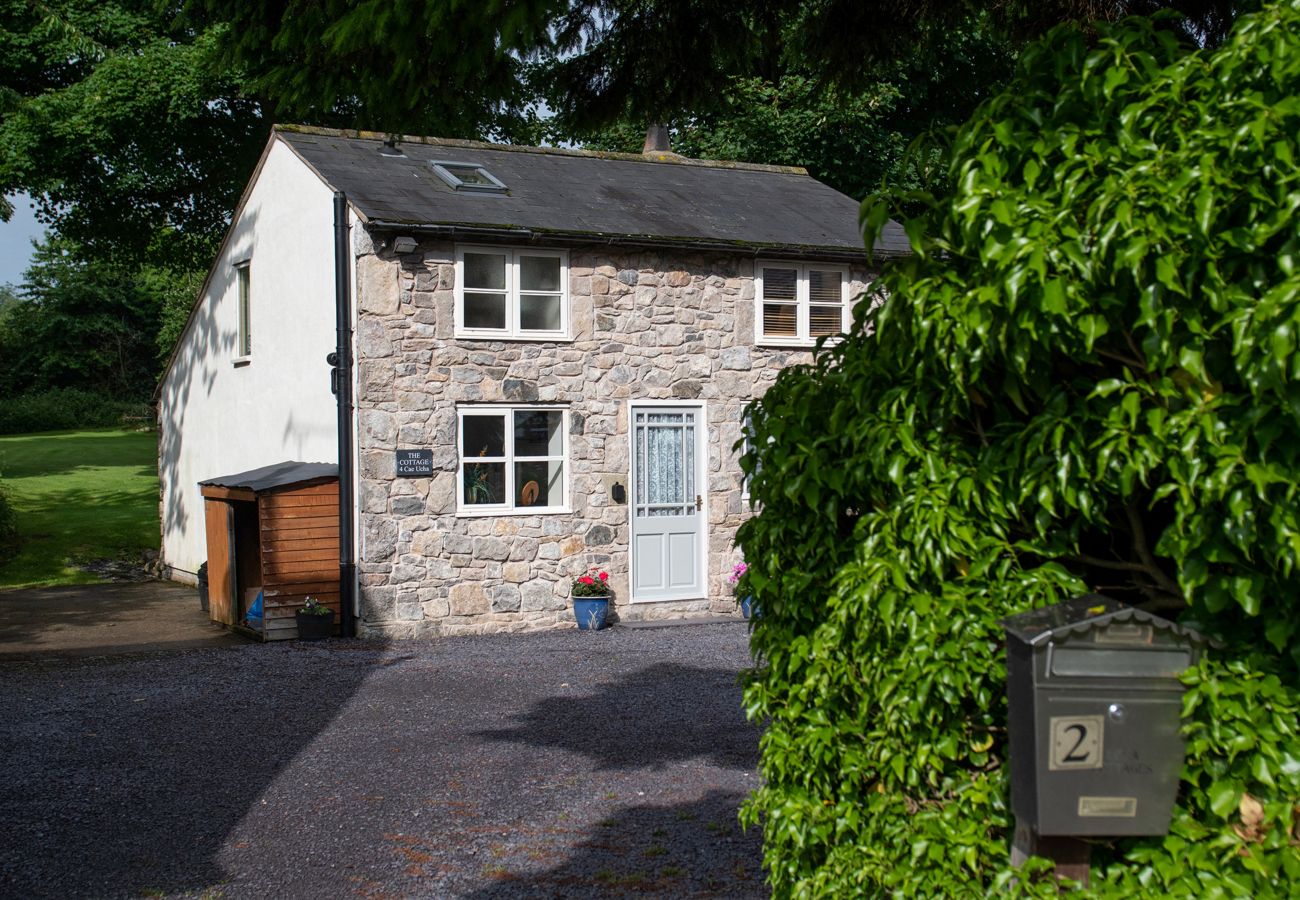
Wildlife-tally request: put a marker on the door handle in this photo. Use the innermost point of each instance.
(699, 502)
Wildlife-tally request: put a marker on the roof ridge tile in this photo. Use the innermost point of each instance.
(661, 158)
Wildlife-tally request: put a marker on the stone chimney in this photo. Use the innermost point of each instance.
(656, 140)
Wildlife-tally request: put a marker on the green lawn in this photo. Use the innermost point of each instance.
(78, 495)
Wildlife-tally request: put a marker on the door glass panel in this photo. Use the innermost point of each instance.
(640, 464)
(664, 465)
(688, 441)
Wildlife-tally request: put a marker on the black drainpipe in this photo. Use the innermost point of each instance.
(341, 382)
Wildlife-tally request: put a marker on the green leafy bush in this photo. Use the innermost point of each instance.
(1085, 379)
(8, 528)
(60, 409)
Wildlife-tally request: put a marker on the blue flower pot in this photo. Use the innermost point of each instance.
(749, 608)
(590, 612)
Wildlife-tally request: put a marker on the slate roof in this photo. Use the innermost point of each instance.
(276, 476)
(579, 195)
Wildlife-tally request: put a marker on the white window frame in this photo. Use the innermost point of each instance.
(512, 331)
(803, 303)
(745, 416)
(243, 311)
(508, 410)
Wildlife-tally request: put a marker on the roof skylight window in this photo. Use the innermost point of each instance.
(468, 177)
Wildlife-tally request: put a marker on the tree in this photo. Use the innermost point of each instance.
(775, 109)
(1083, 380)
(662, 60)
(407, 66)
(133, 144)
(84, 324)
(135, 128)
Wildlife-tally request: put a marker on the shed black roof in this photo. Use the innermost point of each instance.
(275, 476)
(573, 194)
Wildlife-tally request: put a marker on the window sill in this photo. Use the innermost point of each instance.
(775, 343)
(507, 336)
(497, 512)
(241, 361)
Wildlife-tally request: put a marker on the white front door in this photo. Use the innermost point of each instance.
(667, 502)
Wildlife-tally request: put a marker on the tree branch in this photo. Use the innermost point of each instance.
(1162, 580)
(1134, 347)
(1135, 364)
(1117, 564)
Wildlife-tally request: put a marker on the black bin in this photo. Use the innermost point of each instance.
(203, 587)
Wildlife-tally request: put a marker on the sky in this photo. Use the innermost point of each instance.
(16, 240)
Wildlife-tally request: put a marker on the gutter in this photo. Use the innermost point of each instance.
(509, 234)
(341, 384)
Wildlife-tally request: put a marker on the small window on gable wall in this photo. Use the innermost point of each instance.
(797, 303)
(244, 338)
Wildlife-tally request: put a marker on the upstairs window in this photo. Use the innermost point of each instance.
(244, 338)
(512, 459)
(512, 293)
(797, 304)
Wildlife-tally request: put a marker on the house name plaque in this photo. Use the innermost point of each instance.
(414, 463)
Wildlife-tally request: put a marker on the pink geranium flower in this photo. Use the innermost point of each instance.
(594, 583)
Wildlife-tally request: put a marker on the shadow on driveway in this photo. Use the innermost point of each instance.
(125, 775)
(544, 765)
(104, 619)
(684, 850)
(651, 718)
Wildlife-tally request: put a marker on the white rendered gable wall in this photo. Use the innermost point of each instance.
(216, 418)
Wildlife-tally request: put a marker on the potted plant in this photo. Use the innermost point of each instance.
(591, 593)
(740, 590)
(315, 621)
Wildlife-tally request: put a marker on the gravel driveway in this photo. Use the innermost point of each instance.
(563, 764)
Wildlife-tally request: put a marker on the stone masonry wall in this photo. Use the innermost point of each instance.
(646, 325)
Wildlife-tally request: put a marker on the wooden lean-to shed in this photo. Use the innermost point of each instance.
(274, 531)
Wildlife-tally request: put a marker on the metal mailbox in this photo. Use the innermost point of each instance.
(1093, 707)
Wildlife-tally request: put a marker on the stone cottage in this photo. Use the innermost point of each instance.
(553, 354)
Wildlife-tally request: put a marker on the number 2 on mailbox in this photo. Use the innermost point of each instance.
(1076, 742)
